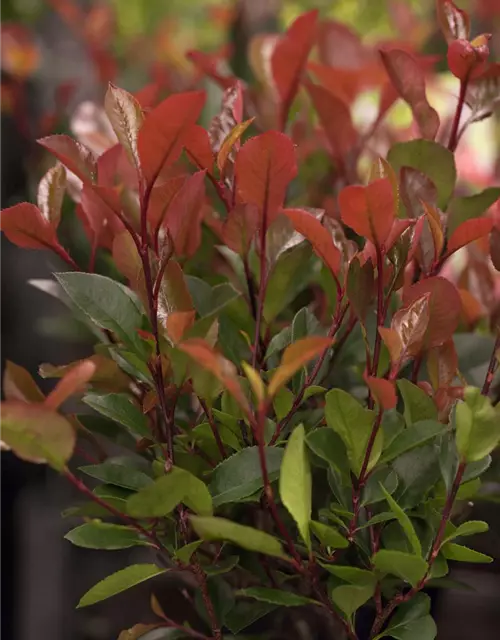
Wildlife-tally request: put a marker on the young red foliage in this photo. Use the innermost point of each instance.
(370, 210)
(468, 232)
(383, 391)
(454, 22)
(25, 226)
(73, 155)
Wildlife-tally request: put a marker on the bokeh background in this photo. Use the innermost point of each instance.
(57, 57)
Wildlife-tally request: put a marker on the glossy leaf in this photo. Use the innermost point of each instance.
(470, 528)
(349, 598)
(405, 523)
(240, 475)
(468, 232)
(454, 22)
(409, 568)
(352, 575)
(415, 435)
(264, 167)
(240, 535)
(369, 210)
(50, 196)
(408, 78)
(165, 130)
(430, 158)
(118, 473)
(412, 621)
(108, 304)
(295, 357)
(73, 155)
(477, 424)
(459, 553)
(103, 535)
(321, 241)
(470, 207)
(354, 424)
(120, 581)
(328, 536)
(276, 596)
(37, 433)
(126, 117)
(119, 407)
(296, 482)
(417, 404)
(383, 391)
(159, 498)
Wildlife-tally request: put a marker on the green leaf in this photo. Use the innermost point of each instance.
(329, 536)
(119, 474)
(119, 408)
(405, 523)
(354, 424)
(37, 434)
(184, 553)
(279, 342)
(296, 482)
(276, 596)
(350, 597)
(393, 423)
(384, 516)
(418, 405)
(353, 575)
(245, 537)
(120, 581)
(382, 478)
(103, 535)
(478, 426)
(412, 621)
(109, 304)
(291, 275)
(418, 472)
(404, 565)
(162, 496)
(245, 613)
(468, 207)
(240, 475)
(413, 436)
(453, 551)
(470, 528)
(432, 159)
(283, 402)
(222, 566)
(328, 445)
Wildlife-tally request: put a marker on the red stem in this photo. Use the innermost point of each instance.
(490, 374)
(452, 144)
(263, 280)
(381, 311)
(213, 427)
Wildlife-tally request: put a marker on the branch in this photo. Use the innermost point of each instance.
(213, 427)
(490, 374)
(452, 144)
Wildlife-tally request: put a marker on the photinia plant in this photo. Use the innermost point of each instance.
(283, 361)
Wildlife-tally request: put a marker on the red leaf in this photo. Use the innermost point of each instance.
(468, 232)
(160, 200)
(224, 370)
(495, 247)
(165, 131)
(97, 213)
(369, 210)
(231, 114)
(72, 382)
(147, 97)
(264, 167)
(454, 23)
(335, 119)
(442, 364)
(25, 226)
(184, 215)
(289, 58)
(407, 77)
(320, 239)
(209, 65)
(383, 391)
(238, 230)
(339, 46)
(444, 308)
(468, 60)
(197, 145)
(73, 155)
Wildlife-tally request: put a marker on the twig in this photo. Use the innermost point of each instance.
(213, 426)
(490, 374)
(171, 624)
(202, 582)
(263, 279)
(452, 144)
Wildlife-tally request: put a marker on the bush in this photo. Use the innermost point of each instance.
(291, 388)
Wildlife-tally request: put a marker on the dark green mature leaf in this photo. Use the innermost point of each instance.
(121, 475)
(418, 405)
(120, 581)
(353, 575)
(408, 567)
(37, 434)
(383, 478)
(161, 497)
(296, 482)
(468, 207)
(353, 423)
(109, 304)
(432, 159)
(453, 551)
(470, 528)
(350, 597)
(413, 436)
(184, 553)
(418, 472)
(279, 342)
(477, 424)
(405, 523)
(119, 407)
(328, 445)
(246, 537)
(103, 535)
(412, 621)
(244, 613)
(276, 596)
(240, 475)
(328, 536)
